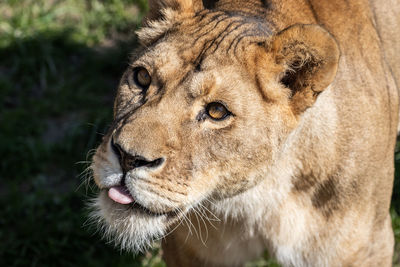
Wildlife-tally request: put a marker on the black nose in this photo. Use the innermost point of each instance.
(129, 162)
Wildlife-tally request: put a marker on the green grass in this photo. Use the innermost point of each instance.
(60, 63)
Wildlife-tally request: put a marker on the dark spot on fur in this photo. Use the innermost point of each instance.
(209, 4)
(265, 4)
(326, 197)
(304, 182)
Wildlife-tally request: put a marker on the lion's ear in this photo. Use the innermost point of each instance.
(307, 57)
(182, 6)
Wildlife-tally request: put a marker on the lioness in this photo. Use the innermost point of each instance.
(245, 125)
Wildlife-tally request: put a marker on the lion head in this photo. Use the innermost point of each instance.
(201, 112)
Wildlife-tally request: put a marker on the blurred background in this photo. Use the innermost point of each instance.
(60, 64)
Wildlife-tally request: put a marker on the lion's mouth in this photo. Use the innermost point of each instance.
(121, 195)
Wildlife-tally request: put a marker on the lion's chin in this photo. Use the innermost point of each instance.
(128, 228)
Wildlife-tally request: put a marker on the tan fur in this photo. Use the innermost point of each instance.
(304, 165)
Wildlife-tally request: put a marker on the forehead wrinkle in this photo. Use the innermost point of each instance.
(229, 30)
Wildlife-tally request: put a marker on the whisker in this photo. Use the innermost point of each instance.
(169, 232)
(200, 228)
(210, 212)
(200, 231)
(201, 210)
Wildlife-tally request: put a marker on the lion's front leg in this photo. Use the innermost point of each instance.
(211, 243)
(178, 254)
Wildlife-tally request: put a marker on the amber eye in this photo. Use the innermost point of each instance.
(142, 77)
(217, 111)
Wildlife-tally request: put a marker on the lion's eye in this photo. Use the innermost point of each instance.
(142, 77)
(217, 111)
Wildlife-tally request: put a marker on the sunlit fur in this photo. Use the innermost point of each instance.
(303, 166)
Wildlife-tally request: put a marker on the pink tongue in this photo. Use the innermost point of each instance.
(120, 195)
